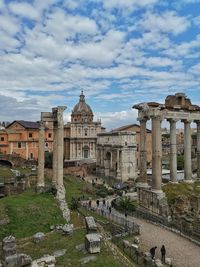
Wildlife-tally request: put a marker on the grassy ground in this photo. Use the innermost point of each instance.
(180, 189)
(55, 241)
(75, 187)
(29, 213)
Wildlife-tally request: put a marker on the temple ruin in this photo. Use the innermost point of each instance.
(55, 117)
(176, 108)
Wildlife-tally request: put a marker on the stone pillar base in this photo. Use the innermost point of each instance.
(40, 189)
(154, 201)
(189, 181)
(172, 182)
(143, 185)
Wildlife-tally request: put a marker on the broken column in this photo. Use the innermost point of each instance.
(41, 151)
(58, 116)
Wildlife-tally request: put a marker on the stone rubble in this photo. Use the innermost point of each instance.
(38, 237)
(10, 257)
(45, 261)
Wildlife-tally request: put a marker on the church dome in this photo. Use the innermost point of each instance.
(82, 112)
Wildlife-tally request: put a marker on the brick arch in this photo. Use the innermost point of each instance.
(6, 162)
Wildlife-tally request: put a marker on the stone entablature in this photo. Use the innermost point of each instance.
(116, 155)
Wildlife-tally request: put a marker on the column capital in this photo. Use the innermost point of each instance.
(172, 120)
(186, 120)
(142, 119)
(156, 117)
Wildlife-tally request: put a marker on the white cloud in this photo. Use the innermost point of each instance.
(24, 10)
(9, 24)
(128, 4)
(112, 120)
(71, 25)
(8, 43)
(168, 22)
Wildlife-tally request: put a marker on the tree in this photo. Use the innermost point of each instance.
(180, 162)
(48, 159)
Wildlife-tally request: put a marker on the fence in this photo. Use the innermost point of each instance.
(130, 226)
(177, 227)
(133, 253)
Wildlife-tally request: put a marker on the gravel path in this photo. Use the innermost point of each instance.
(183, 252)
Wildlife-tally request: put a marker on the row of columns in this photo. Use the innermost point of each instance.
(58, 148)
(157, 152)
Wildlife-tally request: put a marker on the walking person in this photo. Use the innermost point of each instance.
(153, 252)
(97, 202)
(110, 209)
(163, 253)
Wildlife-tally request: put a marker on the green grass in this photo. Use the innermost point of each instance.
(29, 213)
(55, 241)
(75, 187)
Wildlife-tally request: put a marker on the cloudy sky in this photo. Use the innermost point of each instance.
(120, 52)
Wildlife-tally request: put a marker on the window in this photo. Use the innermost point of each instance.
(31, 156)
(19, 144)
(46, 144)
(2, 138)
(79, 130)
(49, 135)
(86, 132)
(30, 135)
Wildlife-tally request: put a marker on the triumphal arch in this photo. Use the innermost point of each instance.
(176, 108)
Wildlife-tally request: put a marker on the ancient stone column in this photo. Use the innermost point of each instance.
(41, 144)
(118, 164)
(187, 151)
(55, 155)
(173, 151)
(111, 163)
(156, 154)
(198, 149)
(142, 181)
(60, 145)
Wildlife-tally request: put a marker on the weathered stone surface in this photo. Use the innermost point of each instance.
(134, 246)
(136, 240)
(45, 261)
(59, 253)
(17, 260)
(126, 244)
(90, 224)
(63, 204)
(88, 259)
(81, 247)
(9, 246)
(168, 261)
(38, 237)
(68, 229)
(158, 263)
(92, 243)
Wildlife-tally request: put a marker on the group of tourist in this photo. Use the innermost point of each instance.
(105, 205)
(162, 251)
